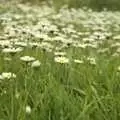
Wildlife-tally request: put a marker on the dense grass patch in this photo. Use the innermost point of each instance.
(59, 65)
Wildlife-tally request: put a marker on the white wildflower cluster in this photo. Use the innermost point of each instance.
(28, 59)
(45, 32)
(35, 40)
(7, 75)
(12, 50)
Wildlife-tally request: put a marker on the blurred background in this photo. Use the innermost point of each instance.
(94, 4)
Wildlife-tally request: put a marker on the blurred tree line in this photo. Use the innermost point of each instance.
(94, 4)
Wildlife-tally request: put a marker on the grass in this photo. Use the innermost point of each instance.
(94, 4)
(55, 91)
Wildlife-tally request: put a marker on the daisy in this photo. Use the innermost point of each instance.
(7, 75)
(27, 59)
(78, 61)
(35, 64)
(61, 60)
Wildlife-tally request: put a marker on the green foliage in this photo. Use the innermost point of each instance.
(94, 4)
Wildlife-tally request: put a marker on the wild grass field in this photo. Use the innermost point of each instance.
(61, 65)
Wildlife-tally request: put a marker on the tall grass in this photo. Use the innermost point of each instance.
(87, 90)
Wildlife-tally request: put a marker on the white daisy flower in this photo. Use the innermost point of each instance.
(28, 109)
(78, 61)
(35, 64)
(61, 60)
(27, 59)
(60, 53)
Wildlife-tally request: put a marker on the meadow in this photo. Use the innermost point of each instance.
(59, 65)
